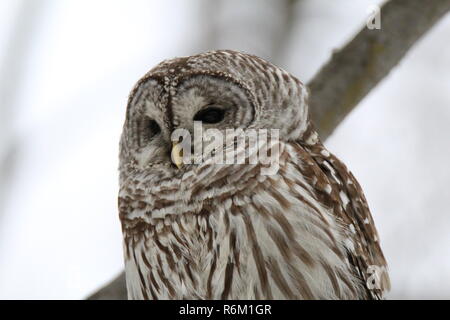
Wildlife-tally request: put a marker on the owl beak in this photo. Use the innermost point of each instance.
(177, 155)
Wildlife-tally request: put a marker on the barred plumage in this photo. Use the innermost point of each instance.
(225, 231)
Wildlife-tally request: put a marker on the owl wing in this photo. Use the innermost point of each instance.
(349, 206)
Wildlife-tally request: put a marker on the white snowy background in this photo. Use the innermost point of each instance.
(67, 67)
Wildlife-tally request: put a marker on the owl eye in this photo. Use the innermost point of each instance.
(148, 128)
(210, 115)
(153, 127)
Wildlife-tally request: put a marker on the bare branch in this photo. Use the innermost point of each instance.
(358, 67)
(116, 289)
(351, 73)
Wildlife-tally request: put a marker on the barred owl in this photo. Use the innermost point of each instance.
(226, 231)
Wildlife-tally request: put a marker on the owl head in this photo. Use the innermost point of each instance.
(221, 90)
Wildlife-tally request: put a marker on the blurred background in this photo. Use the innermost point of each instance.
(66, 68)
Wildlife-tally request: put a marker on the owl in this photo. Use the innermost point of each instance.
(208, 230)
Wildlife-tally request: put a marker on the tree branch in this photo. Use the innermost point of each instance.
(356, 69)
(351, 73)
(116, 289)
